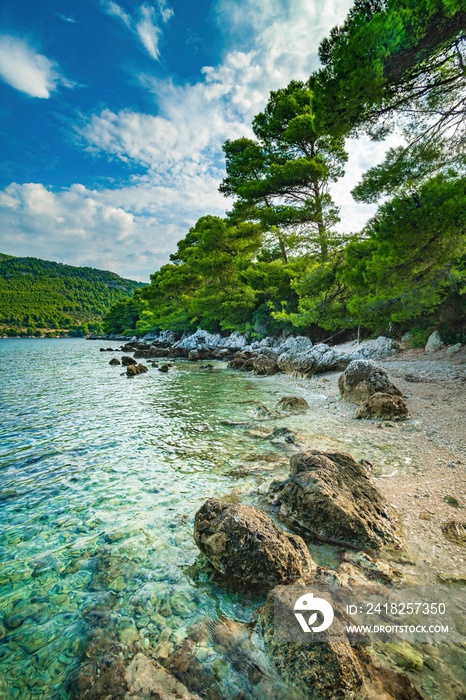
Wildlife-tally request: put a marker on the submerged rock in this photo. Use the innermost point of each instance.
(164, 368)
(334, 498)
(324, 670)
(148, 679)
(362, 378)
(114, 361)
(384, 406)
(293, 403)
(245, 545)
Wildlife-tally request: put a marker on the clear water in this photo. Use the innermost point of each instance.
(100, 478)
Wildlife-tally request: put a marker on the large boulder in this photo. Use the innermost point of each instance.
(333, 497)
(383, 406)
(434, 342)
(318, 670)
(318, 358)
(233, 342)
(126, 360)
(246, 546)
(264, 364)
(133, 370)
(362, 378)
(295, 345)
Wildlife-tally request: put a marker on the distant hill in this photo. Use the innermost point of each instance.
(39, 297)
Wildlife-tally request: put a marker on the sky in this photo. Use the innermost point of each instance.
(113, 115)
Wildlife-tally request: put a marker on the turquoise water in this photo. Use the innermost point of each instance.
(100, 479)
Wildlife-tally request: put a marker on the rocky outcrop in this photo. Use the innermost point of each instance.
(203, 341)
(246, 546)
(383, 406)
(318, 358)
(370, 350)
(114, 361)
(323, 670)
(362, 378)
(333, 497)
(292, 403)
(133, 370)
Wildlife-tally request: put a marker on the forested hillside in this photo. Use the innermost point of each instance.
(40, 297)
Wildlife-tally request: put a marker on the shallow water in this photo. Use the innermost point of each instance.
(100, 478)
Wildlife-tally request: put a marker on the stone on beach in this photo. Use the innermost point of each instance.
(333, 497)
(383, 406)
(455, 532)
(246, 546)
(362, 378)
(434, 342)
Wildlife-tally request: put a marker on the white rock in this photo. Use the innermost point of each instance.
(295, 345)
(434, 342)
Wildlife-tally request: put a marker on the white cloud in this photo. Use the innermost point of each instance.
(148, 32)
(130, 231)
(166, 12)
(28, 71)
(114, 10)
(143, 24)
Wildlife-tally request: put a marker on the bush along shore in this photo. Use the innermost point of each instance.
(328, 498)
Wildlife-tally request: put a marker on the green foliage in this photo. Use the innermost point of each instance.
(206, 285)
(281, 179)
(394, 63)
(37, 294)
(413, 256)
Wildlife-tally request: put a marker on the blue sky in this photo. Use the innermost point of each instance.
(113, 113)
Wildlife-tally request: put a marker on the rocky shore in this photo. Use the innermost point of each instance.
(406, 529)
